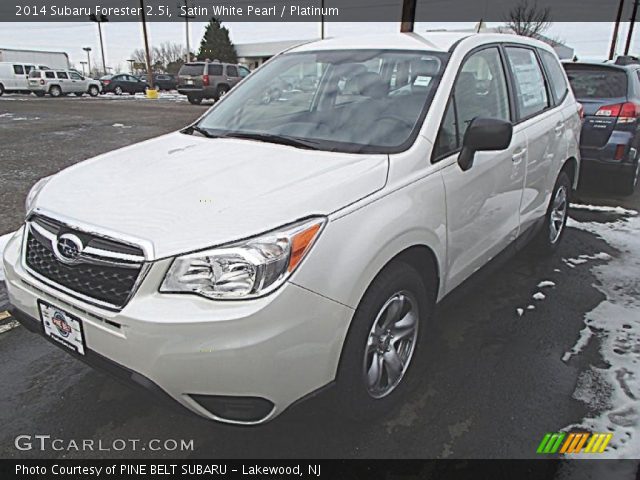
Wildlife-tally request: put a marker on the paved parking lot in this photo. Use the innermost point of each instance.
(499, 377)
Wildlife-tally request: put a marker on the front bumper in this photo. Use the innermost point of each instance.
(277, 348)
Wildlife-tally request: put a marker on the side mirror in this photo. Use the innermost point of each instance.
(484, 134)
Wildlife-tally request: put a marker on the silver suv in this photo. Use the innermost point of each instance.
(199, 80)
(62, 82)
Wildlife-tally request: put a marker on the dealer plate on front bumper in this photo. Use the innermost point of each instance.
(62, 327)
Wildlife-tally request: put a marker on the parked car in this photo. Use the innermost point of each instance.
(269, 251)
(61, 82)
(14, 77)
(200, 80)
(123, 83)
(165, 81)
(610, 96)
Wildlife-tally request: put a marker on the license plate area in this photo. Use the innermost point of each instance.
(62, 327)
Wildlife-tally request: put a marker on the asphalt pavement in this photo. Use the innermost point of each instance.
(495, 383)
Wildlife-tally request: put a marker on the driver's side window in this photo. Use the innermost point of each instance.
(480, 90)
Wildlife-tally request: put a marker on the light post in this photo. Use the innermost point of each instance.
(83, 71)
(88, 50)
(146, 49)
(99, 20)
(131, 62)
(186, 17)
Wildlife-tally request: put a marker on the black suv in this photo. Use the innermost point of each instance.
(610, 96)
(199, 80)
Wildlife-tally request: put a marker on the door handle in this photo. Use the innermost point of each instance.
(518, 155)
(559, 128)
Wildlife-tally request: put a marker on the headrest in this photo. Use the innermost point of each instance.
(370, 84)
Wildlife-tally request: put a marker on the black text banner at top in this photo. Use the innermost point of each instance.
(303, 10)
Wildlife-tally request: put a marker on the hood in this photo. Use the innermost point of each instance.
(179, 193)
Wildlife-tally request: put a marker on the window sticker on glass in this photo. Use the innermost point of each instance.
(422, 81)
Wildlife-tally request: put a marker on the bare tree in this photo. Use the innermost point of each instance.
(163, 57)
(528, 19)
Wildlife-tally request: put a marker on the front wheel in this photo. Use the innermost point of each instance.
(383, 354)
(555, 220)
(94, 91)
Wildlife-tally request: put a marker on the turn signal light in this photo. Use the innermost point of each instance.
(205, 80)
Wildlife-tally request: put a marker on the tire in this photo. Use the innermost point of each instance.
(627, 185)
(55, 91)
(193, 100)
(118, 90)
(94, 91)
(368, 391)
(555, 220)
(221, 91)
(1, 89)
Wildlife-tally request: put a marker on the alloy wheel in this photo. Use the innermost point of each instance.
(558, 214)
(391, 344)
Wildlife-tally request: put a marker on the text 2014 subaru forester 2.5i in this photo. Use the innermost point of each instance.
(275, 248)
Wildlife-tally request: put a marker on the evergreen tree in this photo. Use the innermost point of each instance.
(216, 44)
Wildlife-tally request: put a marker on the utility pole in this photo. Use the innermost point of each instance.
(408, 15)
(88, 50)
(187, 17)
(322, 19)
(614, 38)
(146, 46)
(100, 20)
(631, 25)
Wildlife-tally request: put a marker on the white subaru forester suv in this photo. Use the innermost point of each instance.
(272, 249)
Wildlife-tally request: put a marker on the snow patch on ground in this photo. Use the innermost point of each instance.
(614, 390)
(546, 283)
(539, 296)
(4, 239)
(602, 208)
(120, 125)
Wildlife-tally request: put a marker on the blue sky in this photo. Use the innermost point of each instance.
(590, 40)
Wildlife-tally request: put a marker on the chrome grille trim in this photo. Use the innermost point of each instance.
(90, 256)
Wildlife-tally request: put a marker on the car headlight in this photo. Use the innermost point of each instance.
(33, 193)
(246, 269)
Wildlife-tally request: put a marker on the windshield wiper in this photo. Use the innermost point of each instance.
(200, 130)
(271, 138)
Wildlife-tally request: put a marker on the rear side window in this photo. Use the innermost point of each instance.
(215, 70)
(62, 75)
(592, 81)
(556, 75)
(531, 89)
(191, 69)
(49, 75)
(232, 70)
(18, 70)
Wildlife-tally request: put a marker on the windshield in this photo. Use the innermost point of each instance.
(345, 100)
(597, 82)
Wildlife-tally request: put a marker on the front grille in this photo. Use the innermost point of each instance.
(111, 285)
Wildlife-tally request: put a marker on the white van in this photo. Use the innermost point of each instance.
(14, 77)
